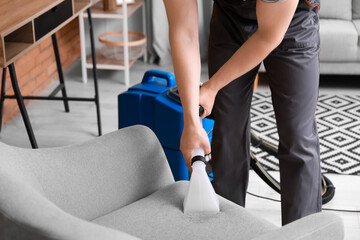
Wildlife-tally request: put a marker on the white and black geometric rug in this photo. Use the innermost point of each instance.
(338, 118)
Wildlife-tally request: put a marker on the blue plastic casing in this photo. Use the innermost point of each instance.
(149, 104)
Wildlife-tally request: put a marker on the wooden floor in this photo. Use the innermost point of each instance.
(53, 127)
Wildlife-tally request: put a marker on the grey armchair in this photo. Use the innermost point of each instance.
(119, 186)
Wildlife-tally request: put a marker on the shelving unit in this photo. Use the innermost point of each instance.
(121, 13)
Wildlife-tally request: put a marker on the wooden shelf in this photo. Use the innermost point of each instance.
(106, 63)
(14, 48)
(81, 5)
(97, 10)
(18, 40)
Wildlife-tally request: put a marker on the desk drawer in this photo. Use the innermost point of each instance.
(52, 18)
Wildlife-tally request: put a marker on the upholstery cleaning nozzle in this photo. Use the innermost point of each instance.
(201, 196)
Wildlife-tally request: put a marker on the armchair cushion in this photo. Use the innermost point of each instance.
(160, 216)
(314, 227)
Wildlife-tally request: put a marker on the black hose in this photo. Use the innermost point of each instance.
(328, 189)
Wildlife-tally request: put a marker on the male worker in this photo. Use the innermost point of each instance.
(243, 33)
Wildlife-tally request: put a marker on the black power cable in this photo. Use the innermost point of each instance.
(326, 209)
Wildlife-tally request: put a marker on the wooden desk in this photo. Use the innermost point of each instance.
(23, 25)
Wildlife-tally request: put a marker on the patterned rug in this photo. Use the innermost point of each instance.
(338, 118)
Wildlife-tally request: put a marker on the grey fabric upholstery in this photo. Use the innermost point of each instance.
(338, 44)
(74, 179)
(47, 191)
(340, 68)
(339, 37)
(312, 227)
(335, 9)
(122, 181)
(162, 218)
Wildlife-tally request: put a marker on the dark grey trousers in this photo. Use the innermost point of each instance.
(293, 70)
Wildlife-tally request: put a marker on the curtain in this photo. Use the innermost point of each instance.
(158, 30)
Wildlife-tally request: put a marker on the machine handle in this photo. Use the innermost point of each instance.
(151, 74)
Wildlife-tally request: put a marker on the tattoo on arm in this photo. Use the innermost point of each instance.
(273, 1)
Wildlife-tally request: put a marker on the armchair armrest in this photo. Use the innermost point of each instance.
(317, 226)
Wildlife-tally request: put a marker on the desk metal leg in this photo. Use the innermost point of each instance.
(21, 104)
(2, 96)
(60, 71)
(93, 56)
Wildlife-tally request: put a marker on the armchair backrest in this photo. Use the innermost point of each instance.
(90, 179)
(344, 9)
(334, 9)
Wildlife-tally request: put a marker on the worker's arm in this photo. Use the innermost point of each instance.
(184, 40)
(273, 21)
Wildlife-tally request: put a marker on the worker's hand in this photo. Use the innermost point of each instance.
(193, 137)
(207, 98)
